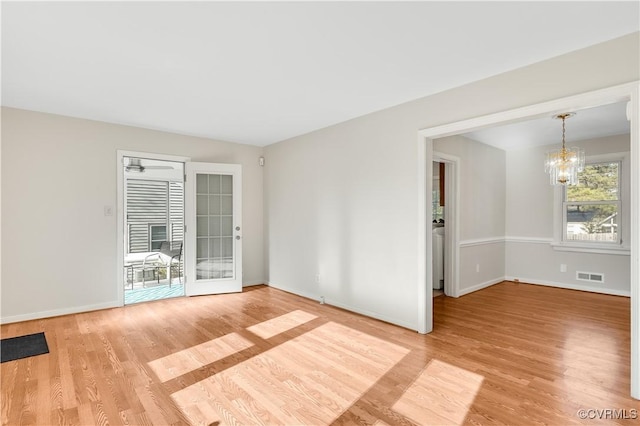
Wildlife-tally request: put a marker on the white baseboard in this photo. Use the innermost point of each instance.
(580, 287)
(371, 314)
(346, 307)
(463, 291)
(81, 309)
(295, 291)
(58, 312)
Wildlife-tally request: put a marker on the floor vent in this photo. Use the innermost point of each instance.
(590, 276)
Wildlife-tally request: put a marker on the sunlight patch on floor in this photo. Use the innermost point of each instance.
(186, 360)
(272, 327)
(311, 379)
(442, 394)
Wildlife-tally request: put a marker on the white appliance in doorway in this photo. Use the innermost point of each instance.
(438, 257)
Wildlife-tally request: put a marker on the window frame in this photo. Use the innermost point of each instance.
(621, 246)
(151, 240)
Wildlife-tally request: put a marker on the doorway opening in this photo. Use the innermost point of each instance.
(444, 224)
(438, 227)
(201, 254)
(153, 228)
(628, 93)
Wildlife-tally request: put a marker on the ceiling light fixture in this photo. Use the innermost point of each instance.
(564, 164)
(134, 166)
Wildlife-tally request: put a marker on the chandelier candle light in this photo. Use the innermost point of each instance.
(564, 164)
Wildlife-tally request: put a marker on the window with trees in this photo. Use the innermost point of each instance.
(592, 209)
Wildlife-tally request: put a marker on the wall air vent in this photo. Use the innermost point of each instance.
(590, 276)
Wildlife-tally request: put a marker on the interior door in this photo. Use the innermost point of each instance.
(213, 215)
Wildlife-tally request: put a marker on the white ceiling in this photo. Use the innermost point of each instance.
(262, 72)
(591, 123)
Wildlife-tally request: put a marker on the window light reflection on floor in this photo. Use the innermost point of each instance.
(186, 360)
(272, 327)
(311, 379)
(592, 344)
(442, 394)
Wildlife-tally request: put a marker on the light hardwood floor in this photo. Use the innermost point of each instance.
(509, 354)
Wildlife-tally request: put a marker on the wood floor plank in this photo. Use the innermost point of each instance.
(511, 354)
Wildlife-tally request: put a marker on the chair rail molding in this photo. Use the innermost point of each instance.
(482, 241)
(528, 240)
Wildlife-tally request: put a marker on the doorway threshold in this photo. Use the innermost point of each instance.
(138, 295)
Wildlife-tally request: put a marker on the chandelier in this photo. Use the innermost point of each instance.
(564, 164)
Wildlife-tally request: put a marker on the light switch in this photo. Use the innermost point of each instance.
(108, 211)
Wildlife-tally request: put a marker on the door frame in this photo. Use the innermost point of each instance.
(120, 205)
(629, 92)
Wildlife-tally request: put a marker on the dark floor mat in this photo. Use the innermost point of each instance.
(23, 347)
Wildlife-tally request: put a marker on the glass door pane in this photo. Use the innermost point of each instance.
(214, 226)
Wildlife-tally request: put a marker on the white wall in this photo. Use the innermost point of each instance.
(482, 186)
(335, 210)
(482, 210)
(530, 225)
(58, 173)
(342, 201)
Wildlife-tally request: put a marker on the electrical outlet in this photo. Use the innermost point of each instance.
(563, 267)
(108, 211)
(318, 278)
(477, 267)
(322, 300)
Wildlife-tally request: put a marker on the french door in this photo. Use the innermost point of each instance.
(213, 235)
